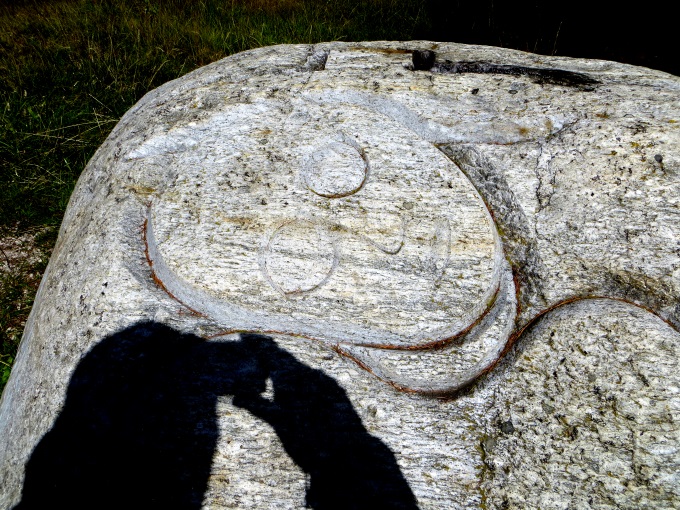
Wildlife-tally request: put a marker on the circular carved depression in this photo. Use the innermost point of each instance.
(335, 170)
(300, 257)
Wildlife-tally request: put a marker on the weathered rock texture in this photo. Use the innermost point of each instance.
(382, 222)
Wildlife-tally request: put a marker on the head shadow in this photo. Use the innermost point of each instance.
(139, 426)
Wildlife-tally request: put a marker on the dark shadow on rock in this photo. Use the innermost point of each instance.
(310, 412)
(138, 429)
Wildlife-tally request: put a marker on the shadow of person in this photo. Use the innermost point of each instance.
(138, 428)
(347, 467)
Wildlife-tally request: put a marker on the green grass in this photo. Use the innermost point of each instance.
(70, 69)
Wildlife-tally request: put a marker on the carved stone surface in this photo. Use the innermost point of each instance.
(493, 227)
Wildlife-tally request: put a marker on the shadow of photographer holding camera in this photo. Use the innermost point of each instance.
(139, 429)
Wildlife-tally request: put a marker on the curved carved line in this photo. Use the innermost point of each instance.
(221, 311)
(534, 320)
(297, 292)
(154, 275)
(382, 247)
(455, 391)
(445, 386)
(367, 170)
(435, 344)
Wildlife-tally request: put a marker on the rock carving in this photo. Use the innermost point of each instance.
(295, 275)
(338, 237)
(307, 252)
(491, 227)
(336, 170)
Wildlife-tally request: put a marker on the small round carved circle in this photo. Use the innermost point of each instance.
(335, 170)
(300, 257)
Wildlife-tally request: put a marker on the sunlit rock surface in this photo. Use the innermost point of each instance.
(397, 217)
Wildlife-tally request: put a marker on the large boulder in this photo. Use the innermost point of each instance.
(364, 275)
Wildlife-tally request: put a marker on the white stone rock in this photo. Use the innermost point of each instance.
(390, 225)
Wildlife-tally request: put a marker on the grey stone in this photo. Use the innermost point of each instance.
(474, 251)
